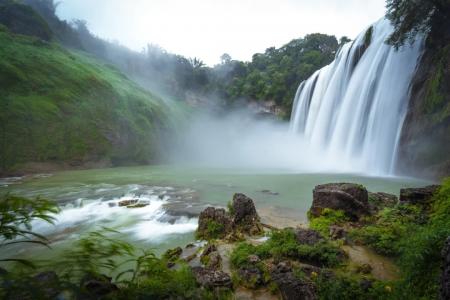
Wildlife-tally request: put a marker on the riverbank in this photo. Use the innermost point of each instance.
(358, 245)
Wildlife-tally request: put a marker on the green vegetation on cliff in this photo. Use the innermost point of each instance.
(58, 105)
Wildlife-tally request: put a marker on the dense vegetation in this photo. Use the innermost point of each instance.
(413, 235)
(271, 76)
(64, 106)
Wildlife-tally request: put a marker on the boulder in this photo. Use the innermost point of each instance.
(307, 236)
(291, 287)
(173, 254)
(445, 277)
(380, 200)
(98, 286)
(211, 258)
(244, 214)
(211, 279)
(128, 202)
(253, 259)
(251, 276)
(337, 232)
(216, 217)
(348, 197)
(417, 195)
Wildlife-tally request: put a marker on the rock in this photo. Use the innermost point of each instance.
(98, 286)
(173, 254)
(48, 284)
(337, 232)
(417, 195)
(307, 236)
(291, 287)
(210, 248)
(251, 277)
(380, 200)
(213, 217)
(445, 277)
(364, 269)
(189, 246)
(128, 202)
(214, 261)
(253, 259)
(211, 278)
(269, 192)
(139, 205)
(244, 215)
(190, 257)
(348, 197)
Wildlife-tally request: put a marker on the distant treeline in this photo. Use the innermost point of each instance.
(271, 76)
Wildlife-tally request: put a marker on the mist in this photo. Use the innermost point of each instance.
(245, 140)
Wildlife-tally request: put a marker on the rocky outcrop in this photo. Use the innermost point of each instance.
(172, 255)
(98, 286)
(445, 277)
(244, 214)
(291, 287)
(251, 276)
(218, 223)
(307, 236)
(212, 279)
(380, 200)
(418, 195)
(211, 258)
(348, 197)
(214, 223)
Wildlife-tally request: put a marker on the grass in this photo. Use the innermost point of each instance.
(58, 105)
(327, 218)
(283, 245)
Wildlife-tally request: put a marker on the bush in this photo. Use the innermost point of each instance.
(327, 218)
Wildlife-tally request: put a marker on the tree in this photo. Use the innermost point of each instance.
(411, 18)
(225, 58)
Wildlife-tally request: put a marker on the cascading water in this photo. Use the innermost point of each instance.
(352, 111)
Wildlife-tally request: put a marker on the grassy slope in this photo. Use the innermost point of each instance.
(61, 106)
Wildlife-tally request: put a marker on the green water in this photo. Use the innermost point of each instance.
(281, 198)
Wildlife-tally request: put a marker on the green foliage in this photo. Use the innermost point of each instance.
(390, 225)
(413, 17)
(349, 287)
(283, 245)
(16, 216)
(214, 230)
(61, 106)
(420, 258)
(327, 218)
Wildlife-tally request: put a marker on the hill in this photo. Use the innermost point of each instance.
(63, 107)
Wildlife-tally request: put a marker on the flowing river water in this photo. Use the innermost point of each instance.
(175, 196)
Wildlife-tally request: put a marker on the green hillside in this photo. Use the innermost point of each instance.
(59, 106)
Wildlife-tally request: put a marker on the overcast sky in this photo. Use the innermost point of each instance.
(209, 28)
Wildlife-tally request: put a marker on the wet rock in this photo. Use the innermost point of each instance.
(251, 276)
(291, 287)
(253, 259)
(307, 236)
(213, 223)
(380, 200)
(48, 284)
(337, 232)
(210, 248)
(445, 277)
(348, 197)
(128, 202)
(417, 195)
(244, 215)
(98, 286)
(364, 269)
(173, 254)
(214, 261)
(366, 284)
(189, 246)
(269, 192)
(139, 205)
(211, 279)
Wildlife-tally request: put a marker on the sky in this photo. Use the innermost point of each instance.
(208, 28)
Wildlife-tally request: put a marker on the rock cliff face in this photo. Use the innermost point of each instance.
(425, 141)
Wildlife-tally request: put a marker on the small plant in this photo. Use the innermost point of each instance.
(16, 215)
(327, 218)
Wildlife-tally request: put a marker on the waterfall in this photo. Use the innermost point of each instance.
(352, 111)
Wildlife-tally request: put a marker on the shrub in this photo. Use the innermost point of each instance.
(328, 218)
